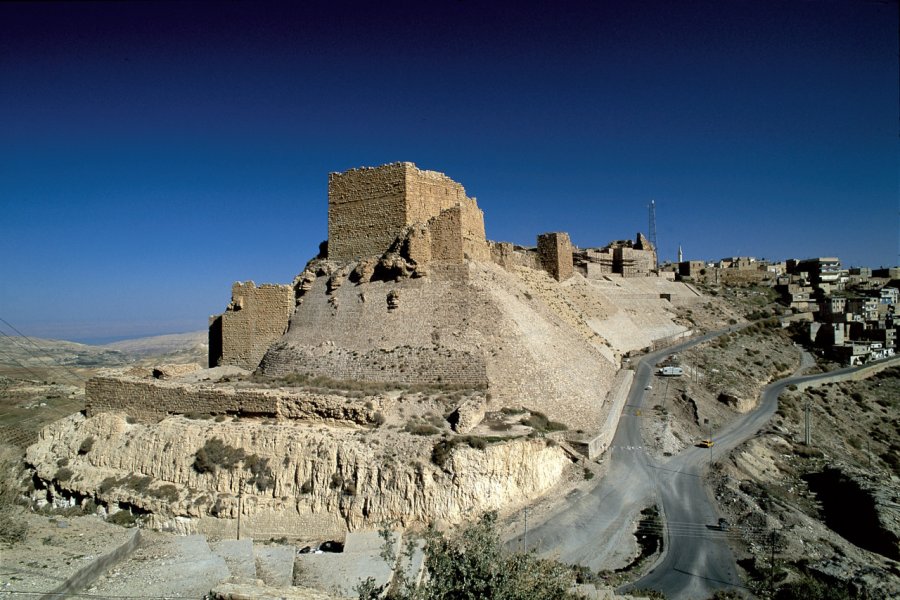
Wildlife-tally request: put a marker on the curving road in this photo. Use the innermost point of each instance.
(592, 528)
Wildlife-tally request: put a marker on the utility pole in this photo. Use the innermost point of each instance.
(525, 537)
(807, 437)
(240, 504)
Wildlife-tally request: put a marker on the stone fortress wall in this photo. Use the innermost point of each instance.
(555, 251)
(368, 208)
(419, 217)
(149, 400)
(409, 291)
(256, 318)
(509, 256)
(432, 365)
(623, 257)
(371, 212)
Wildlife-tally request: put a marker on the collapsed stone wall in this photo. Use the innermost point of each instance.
(427, 193)
(625, 257)
(152, 400)
(508, 256)
(555, 251)
(256, 318)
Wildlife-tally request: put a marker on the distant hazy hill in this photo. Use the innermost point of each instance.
(193, 342)
(33, 356)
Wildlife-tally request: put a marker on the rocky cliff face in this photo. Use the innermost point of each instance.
(295, 480)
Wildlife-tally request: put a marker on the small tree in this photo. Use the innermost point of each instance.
(471, 564)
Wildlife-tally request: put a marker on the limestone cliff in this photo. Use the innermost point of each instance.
(321, 481)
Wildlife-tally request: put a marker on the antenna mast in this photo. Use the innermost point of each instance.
(652, 231)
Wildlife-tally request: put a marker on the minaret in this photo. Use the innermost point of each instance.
(680, 254)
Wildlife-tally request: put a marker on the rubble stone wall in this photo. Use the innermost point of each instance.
(446, 236)
(256, 317)
(369, 208)
(428, 193)
(508, 255)
(475, 246)
(435, 365)
(555, 251)
(366, 210)
(631, 262)
(153, 400)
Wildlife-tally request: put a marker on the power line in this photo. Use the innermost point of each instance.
(78, 378)
(21, 365)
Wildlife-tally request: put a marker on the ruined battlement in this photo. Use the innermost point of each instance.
(253, 321)
(555, 251)
(370, 207)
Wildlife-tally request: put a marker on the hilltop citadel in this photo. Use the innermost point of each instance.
(409, 335)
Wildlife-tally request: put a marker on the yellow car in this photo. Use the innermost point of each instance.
(706, 443)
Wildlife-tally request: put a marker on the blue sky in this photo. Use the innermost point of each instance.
(153, 152)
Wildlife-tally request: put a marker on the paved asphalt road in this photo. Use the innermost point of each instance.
(592, 528)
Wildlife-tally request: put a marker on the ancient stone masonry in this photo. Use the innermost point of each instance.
(508, 255)
(407, 324)
(255, 319)
(555, 251)
(625, 257)
(150, 401)
(370, 208)
(404, 365)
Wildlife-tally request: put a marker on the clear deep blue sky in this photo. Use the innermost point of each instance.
(151, 153)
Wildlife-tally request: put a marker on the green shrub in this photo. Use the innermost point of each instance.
(123, 518)
(215, 453)
(421, 429)
(86, 445)
(260, 474)
(539, 422)
(470, 563)
(108, 484)
(137, 482)
(165, 492)
(64, 474)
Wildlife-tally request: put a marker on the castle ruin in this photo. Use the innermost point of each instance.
(398, 220)
(410, 335)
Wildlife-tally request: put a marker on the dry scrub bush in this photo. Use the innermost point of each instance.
(12, 528)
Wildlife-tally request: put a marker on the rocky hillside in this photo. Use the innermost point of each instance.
(529, 340)
(285, 478)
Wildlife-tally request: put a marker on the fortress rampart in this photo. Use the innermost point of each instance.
(369, 208)
(403, 365)
(152, 400)
(256, 318)
(555, 251)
